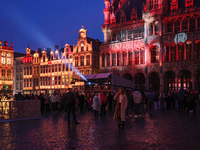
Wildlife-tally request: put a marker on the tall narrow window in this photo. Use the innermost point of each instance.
(169, 27)
(180, 52)
(52, 68)
(124, 34)
(173, 53)
(113, 59)
(76, 61)
(177, 26)
(192, 24)
(151, 29)
(8, 59)
(141, 31)
(130, 58)
(88, 60)
(119, 59)
(154, 55)
(108, 59)
(198, 22)
(82, 49)
(155, 4)
(184, 24)
(156, 28)
(136, 57)
(136, 32)
(124, 58)
(166, 54)
(3, 74)
(56, 67)
(142, 57)
(151, 4)
(82, 60)
(3, 58)
(188, 51)
(114, 37)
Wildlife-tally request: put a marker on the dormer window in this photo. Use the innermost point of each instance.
(153, 4)
(82, 49)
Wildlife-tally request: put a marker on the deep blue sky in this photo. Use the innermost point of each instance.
(45, 23)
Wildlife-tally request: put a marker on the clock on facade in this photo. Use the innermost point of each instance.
(82, 34)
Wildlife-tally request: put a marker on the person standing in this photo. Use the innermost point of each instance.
(137, 100)
(142, 105)
(181, 98)
(53, 100)
(191, 103)
(96, 104)
(70, 104)
(156, 101)
(130, 104)
(47, 100)
(151, 99)
(120, 108)
(104, 101)
(161, 99)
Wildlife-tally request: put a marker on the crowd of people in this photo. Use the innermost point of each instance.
(125, 103)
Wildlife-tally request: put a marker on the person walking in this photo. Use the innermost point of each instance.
(96, 104)
(70, 104)
(130, 104)
(137, 100)
(120, 108)
(110, 100)
(191, 102)
(156, 101)
(151, 99)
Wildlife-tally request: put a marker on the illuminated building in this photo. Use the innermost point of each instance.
(86, 57)
(6, 68)
(49, 71)
(18, 78)
(155, 44)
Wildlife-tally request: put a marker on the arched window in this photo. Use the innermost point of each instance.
(173, 52)
(136, 32)
(136, 57)
(151, 29)
(108, 59)
(113, 59)
(169, 27)
(156, 28)
(197, 50)
(156, 4)
(130, 58)
(124, 58)
(184, 24)
(119, 59)
(82, 49)
(130, 34)
(166, 53)
(180, 52)
(154, 55)
(192, 24)
(141, 34)
(188, 50)
(176, 26)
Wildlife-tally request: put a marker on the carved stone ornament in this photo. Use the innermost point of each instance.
(180, 37)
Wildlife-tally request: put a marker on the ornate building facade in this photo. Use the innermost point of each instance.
(156, 43)
(49, 71)
(6, 67)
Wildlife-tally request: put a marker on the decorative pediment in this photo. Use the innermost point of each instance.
(112, 18)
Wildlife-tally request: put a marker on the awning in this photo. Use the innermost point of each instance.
(102, 75)
(91, 76)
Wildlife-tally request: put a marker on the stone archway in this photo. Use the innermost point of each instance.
(139, 81)
(154, 81)
(185, 80)
(169, 81)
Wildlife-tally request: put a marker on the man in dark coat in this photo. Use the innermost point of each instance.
(20, 96)
(181, 98)
(70, 104)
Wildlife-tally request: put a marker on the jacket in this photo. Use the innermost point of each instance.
(53, 98)
(151, 97)
(181, 95)
(70, 99)
(137, 97)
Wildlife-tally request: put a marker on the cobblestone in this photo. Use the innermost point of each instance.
(162, 130)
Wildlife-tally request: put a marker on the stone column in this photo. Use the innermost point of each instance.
(110, 59)
(162, 82)
(100, 60)
(122, 58)
(106, 57)
(116, 58)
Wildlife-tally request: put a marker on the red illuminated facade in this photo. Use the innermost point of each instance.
(155, 44)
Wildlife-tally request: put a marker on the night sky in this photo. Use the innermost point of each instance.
(45, 23)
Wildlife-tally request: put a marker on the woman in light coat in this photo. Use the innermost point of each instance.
(120, 108)
(96, 104)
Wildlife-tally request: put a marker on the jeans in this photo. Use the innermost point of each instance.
(137, 108)
(142, 108)
(69, 110)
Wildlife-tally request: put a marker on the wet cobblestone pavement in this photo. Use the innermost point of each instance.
(163, 130)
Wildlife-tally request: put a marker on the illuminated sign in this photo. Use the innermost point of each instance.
(180, 37)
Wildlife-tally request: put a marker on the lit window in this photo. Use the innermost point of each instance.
(154, 55)
(8, 59)
(8, 75)
(113, 59)
(118, 59)
(130, 34)
(76, 61)
(124, 58)
(3, 58)
(82, 60)
(130, 58)
(156, 28)
(137, 57)
(142, 57)
(88, 60)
